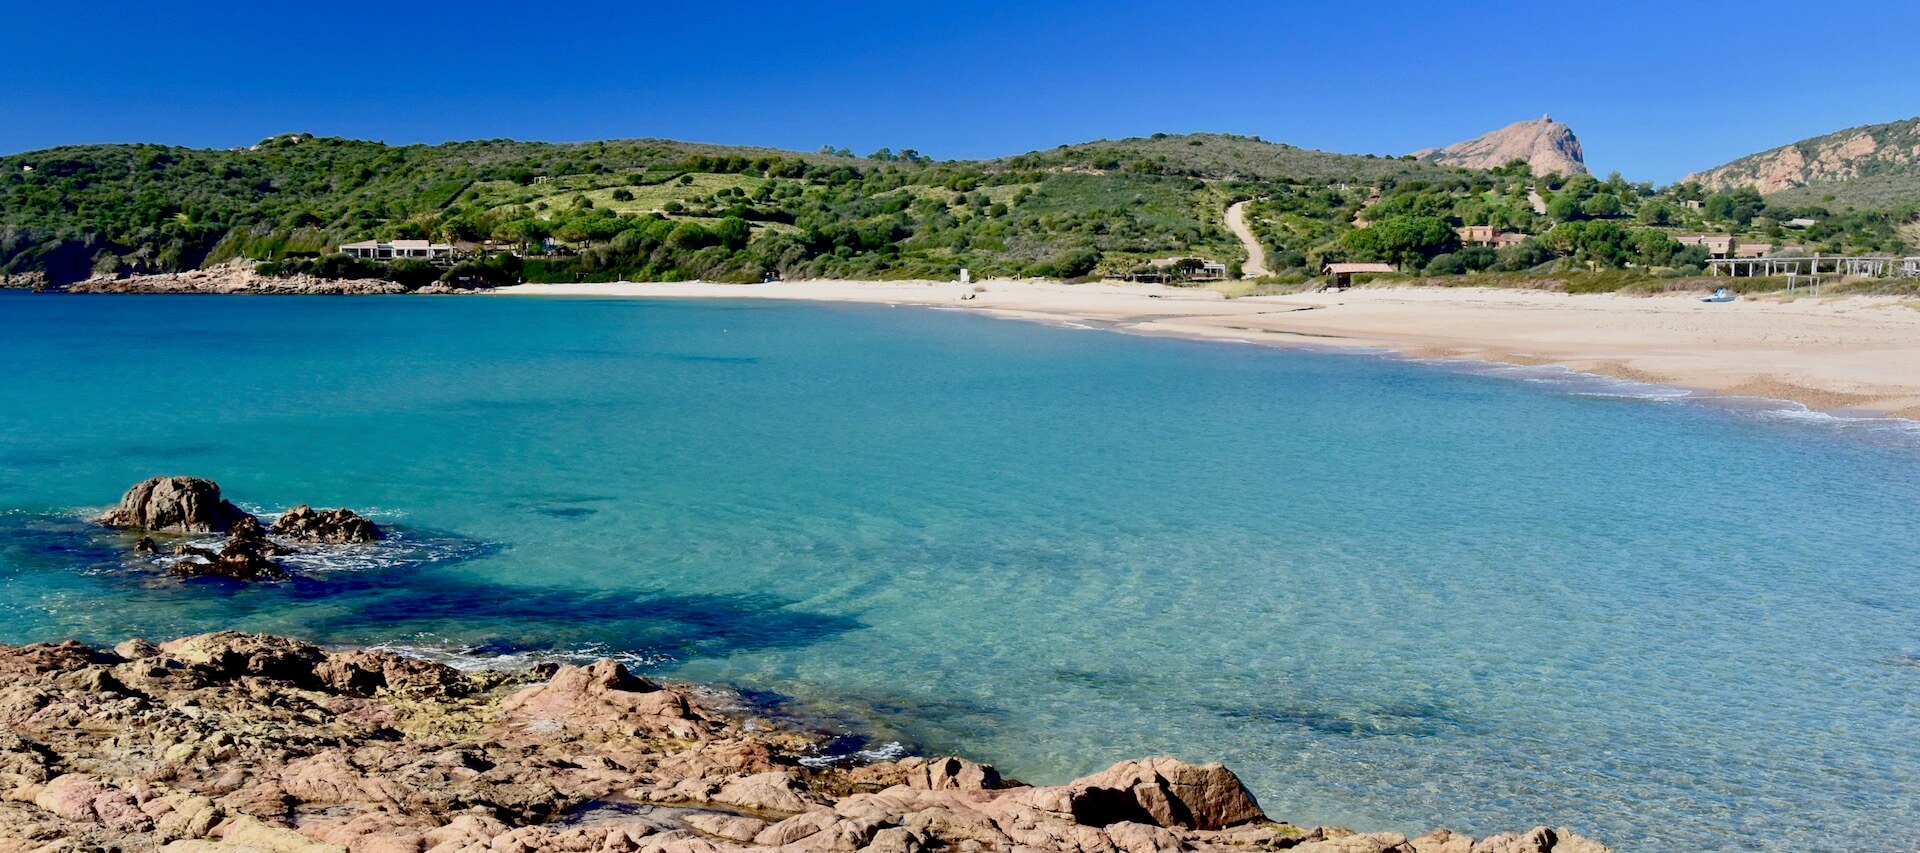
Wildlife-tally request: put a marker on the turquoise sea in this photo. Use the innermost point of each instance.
(1390, 594)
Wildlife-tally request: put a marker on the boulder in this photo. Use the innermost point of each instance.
(84, 799)
(605, 698)
(366, 673)
(1144, 838)
(773, 791)
(334, 526)
(728, 826)
(247, 556)
(1164, 792)
(41, 658)
(174, 505)
(136, 649)
(929, 774)
(1540, 839)
(1442, 841)
(226, 655)
(1371, 842)
(23, 762)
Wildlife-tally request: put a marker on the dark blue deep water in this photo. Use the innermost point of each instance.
(1389, 594)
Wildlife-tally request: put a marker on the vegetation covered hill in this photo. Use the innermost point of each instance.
(1221, 156)
(661, 210)
(1579, 223)
(643, 208)
(1875, 166)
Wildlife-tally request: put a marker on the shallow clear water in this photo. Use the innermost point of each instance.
(1389, 594)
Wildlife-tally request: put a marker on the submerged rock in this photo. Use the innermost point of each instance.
(174, 505)
(249, 741)
(334, 526)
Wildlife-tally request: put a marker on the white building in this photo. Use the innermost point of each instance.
(375, 250)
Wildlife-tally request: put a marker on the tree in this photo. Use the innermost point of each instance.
(1654, 248)
(688, 235)
(733, 233)
(1566, 207)
(1602, 242)
(1524, 255)
(1406, 241)
(1601, 206)
(1737, 206)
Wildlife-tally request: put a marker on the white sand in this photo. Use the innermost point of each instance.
(1859, 354)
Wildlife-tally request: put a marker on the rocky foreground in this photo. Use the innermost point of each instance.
(229, 741)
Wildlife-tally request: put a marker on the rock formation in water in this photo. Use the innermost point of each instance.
(1546, 145)
(334, 526)
(174, 505)
(248, 555)
(188, 505)
(237, 742)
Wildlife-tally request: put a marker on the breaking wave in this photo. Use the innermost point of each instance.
(472, 657)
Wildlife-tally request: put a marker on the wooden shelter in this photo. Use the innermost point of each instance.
(1340, 276)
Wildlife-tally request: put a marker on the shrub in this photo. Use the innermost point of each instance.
(1446, 263)
(496, 271)
(412, 274)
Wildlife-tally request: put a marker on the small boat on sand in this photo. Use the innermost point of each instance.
(1720, 295)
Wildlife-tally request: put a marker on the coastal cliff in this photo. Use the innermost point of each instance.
(234, 741)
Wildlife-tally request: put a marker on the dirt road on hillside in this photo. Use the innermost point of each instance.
(1256, 265)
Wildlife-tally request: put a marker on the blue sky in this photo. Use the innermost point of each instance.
(1654, 89)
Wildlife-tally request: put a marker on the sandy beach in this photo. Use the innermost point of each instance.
(1853, 354)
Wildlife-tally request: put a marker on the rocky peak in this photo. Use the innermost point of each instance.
(1547, 146)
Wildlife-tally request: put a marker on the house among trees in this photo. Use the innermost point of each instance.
(1190, 269)
(1717, 247)
(1489, 236)
(375, 250)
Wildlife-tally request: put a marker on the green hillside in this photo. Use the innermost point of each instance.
(647, 208)
(661, 210)
(1224, 157)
